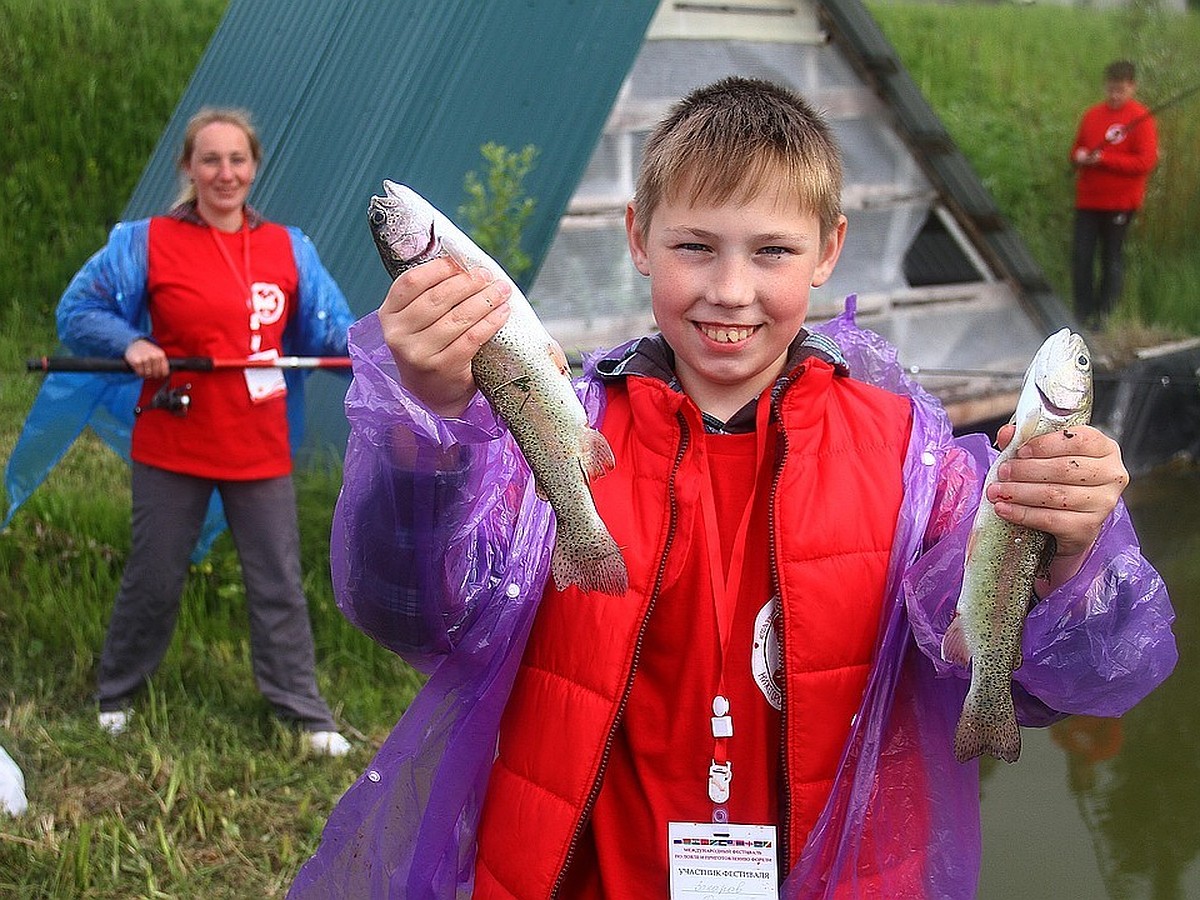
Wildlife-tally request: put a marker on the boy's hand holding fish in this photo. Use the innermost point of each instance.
(435, 318)
(1046, 496)
(450, 335)
(1065, 483)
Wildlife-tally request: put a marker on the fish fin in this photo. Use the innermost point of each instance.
(604, 571)
(972, 540)
(954, 643)
(1018, 658)
(596, 457)
(521, 386)
(994, 732)
(1049, 548)
(459, 258)
(555, 350)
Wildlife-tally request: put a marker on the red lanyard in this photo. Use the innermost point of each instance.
(242, 277)
(726, 587)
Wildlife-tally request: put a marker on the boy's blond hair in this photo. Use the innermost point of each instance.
(733, 138)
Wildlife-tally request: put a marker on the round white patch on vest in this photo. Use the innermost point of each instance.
(764, 658)
(269, 301)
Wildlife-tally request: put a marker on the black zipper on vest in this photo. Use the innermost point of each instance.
(673, 506)
(785, 806)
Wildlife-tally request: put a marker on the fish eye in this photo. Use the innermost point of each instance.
(378, 217)
(1083, 361)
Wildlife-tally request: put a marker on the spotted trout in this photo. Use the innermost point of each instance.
(1004, 559)
(523, 374)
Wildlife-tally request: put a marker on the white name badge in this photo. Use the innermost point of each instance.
(711, 861)
(265, 383)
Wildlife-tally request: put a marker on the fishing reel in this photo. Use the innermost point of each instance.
(175, 400)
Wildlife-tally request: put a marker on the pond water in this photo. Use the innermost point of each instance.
(1110, 808)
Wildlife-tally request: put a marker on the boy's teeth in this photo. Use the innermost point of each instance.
(727, 335)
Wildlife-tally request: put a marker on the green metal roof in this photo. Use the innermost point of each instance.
(346, 94)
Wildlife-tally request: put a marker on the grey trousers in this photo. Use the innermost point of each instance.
(168, 511)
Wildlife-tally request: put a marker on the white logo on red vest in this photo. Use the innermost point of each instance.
(269, 301)
(1115, 134)
(764, 656)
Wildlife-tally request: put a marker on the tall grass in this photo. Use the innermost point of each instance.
(207, 795)
(1010, 81)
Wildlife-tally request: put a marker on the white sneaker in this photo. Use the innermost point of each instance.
(115, 722)
(327, 743)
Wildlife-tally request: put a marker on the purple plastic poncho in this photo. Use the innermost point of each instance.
(440, 552)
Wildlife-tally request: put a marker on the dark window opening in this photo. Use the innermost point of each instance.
(935, 257)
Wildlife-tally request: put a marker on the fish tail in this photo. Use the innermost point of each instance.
(594, 565)
(987, 728)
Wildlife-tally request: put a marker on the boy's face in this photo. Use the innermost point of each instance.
(1118, 92)
(729, 286)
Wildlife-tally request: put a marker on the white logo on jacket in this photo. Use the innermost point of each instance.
(270, 302)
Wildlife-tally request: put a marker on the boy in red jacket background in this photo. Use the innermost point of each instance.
(1115, 150)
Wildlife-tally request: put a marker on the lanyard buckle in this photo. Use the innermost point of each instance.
(719, 776)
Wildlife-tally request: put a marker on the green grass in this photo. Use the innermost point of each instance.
(207, 795)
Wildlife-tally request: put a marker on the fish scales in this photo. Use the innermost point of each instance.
(1003, 560)
(524, 376)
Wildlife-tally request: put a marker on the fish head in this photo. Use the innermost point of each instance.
(1061, 374)
(402, 223)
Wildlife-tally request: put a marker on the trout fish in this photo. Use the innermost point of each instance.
(1004, 559)
(524, 375)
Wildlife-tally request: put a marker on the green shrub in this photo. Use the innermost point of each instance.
(497, 209)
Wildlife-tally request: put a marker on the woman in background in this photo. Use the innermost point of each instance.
(210, 278)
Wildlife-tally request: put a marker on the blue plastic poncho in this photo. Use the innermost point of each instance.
(104, 309)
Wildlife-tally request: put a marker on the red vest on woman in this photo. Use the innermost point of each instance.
(205, 286)
(839, 446)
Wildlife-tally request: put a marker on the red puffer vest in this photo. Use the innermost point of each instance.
(836, 496)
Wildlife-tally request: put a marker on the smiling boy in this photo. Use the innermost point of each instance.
(793, 536)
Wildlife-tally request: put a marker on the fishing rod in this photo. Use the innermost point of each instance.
(184, 363)
(176, 399)
(1163, 380)
(1170, 101)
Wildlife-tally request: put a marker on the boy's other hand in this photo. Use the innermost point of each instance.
(1065, 483)
(435, 317)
